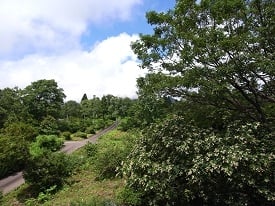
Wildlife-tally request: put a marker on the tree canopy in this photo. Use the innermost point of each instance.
(215, 60)
(43, 98)
(219, 53)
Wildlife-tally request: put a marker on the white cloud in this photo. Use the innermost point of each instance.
(53, 25)
(109, 68)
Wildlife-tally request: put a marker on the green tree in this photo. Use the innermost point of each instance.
(43, 98)
(217, 59)
(47, 170)
(14, 142)
(216, 53)
(71, 109)
(11, 107)
(84, 97)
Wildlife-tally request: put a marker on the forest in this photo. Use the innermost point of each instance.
(201, 131)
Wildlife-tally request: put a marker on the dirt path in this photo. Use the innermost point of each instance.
(14, 181)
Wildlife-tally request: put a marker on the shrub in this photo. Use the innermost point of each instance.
(91, 149)
(127, 196)
(80, 134)
(47, 170)
(49, 126)
(111, 150)
(45, 143)
(90, 130)
(66, 135)
(126, 124)
(13, 154)
(176, 163)
(99, 124)
(25, 131)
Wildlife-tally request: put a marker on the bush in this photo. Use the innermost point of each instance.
(99, 124)
(13, 154)
(25, 131)
(80, 134)
(45, 143)
(128, 196)
(47, 170)
(49, 126)
(66, 135)
(126, 124)
(176, 163)
(90, 130)
(91, 149)
(111, 150)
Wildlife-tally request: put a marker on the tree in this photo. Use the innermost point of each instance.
(43, 98)
(216, 53)
(71, 109)
(14, 142)
(217, 59)
(11, 106)
(84, 97)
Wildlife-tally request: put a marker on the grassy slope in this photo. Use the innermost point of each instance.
(82, 187)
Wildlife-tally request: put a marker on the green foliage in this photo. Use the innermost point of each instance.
(71, 109)
(45, 143)
(49, 126)
(92, 202)
(42, 197)
(99, 124)
(225, 59)
(13, 154)
(80, 134)
(11, 107)
(47, 170)
(43, 98)
(127, 123)
(26, 131)
(176, 163)
(91, 149)
(14, 142)
(66, 135)
(90, 130)
(109, 153)
(128, 196)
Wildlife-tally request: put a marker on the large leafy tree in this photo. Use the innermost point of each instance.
(217, 53)
(43, 98)
(71, 109)
(217, 58)
(11, 106)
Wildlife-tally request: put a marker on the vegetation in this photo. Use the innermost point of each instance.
(213, 61)
(200, 133)
(83, 187)
(108, 154)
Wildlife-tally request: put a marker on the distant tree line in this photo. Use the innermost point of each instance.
(40, 109)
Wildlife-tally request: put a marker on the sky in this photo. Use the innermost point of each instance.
(84, 45)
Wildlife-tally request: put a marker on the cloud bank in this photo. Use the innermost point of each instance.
(109, 68)
(42, 40)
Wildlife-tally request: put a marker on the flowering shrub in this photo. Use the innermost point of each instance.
(176, 163)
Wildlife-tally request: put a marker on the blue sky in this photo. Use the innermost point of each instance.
(135, 25)
(83, 44)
